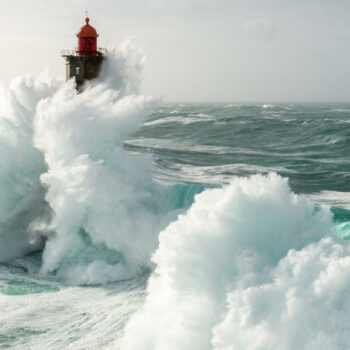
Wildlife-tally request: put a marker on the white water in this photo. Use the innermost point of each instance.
(338, 199)
(98, 192)
(21, 193)
(247, 268)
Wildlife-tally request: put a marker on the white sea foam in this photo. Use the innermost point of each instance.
(333, 198)
(215, 174)
(237, 271)
(43, 314)
(21, 193)
(304, 305)
(200, 118)
(179, 119)
(232, 105)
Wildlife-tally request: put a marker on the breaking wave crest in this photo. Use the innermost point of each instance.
(249, 266)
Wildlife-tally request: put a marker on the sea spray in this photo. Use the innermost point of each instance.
(22, 204)
(303, 303)
(231, 239)
(69, 188)
(123, 68)
(99, 193)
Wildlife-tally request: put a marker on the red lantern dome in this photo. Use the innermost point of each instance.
(87, 40)
(87, 31)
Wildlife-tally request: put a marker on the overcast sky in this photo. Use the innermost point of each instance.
(197, 50)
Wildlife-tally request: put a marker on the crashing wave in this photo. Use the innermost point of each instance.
(66, 179)
(249, 266)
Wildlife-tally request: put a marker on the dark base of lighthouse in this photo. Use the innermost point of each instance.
(83, 68)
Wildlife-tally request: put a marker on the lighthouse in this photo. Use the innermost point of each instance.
(84, 63)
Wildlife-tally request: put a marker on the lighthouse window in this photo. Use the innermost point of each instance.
(77, 70)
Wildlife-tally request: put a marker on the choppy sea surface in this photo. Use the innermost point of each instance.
(210, 143)
(128, 224)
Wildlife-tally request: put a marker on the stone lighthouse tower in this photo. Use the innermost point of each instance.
(85, 62)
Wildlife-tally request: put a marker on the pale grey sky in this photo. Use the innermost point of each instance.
(197, 50)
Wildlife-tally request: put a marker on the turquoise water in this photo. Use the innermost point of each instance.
(194, 147)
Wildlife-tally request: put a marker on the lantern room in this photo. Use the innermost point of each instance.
(85, 62)
(87, 40)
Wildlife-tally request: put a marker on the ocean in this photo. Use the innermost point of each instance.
(130, 223)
